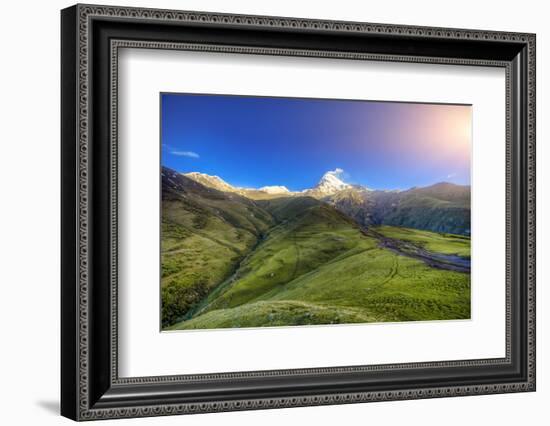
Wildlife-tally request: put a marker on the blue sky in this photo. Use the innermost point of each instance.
(259, 141)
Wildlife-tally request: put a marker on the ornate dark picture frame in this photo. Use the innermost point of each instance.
(91, 37)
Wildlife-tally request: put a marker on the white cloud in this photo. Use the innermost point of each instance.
(340, 174)
(189, 154)
(450, 176)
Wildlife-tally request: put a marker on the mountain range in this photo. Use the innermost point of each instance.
(329, 184)
(245, 257)
(442, 207)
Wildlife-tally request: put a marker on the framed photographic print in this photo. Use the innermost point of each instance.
(325, 251)
(263, 212)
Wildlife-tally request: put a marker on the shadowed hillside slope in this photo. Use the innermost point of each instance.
(205, 234)
(443, 207)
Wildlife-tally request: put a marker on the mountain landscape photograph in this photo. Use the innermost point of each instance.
(299, 212)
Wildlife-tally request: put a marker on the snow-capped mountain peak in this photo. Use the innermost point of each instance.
(275, 189)
(331, 182)
(211, 181)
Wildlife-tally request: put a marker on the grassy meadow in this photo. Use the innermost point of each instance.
(432, 241)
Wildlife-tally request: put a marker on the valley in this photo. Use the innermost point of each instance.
(236, 257)
(406, 242)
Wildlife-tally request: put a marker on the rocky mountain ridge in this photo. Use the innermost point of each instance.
(442, 207)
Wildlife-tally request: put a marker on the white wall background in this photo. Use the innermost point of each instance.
(29, 213)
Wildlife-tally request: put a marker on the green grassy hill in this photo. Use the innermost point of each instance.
(316, 266)
(205, 234)
(431, 241)
(286, 208)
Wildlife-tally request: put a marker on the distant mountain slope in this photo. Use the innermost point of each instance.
(215, 182)
(275, 189)
(205, 234)
(443, 207)
(238, 210)
(285, 208)
(357, 204)
(211, 181)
